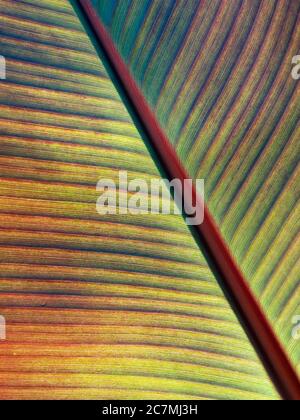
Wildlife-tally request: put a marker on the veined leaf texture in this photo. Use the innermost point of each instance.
(128, 307)
(217, 75)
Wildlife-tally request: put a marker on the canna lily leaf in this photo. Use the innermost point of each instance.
(218, 77)
(122, 306)
(96, 306)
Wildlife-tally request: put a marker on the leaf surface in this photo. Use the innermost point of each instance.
(104, 307)
(217, 75)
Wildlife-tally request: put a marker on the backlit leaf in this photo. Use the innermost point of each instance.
(218, 75)
(102, 307)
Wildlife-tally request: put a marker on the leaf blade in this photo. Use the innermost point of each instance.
(214, 101)
(59, 288)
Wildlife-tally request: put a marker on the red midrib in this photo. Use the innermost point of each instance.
(245, 304)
